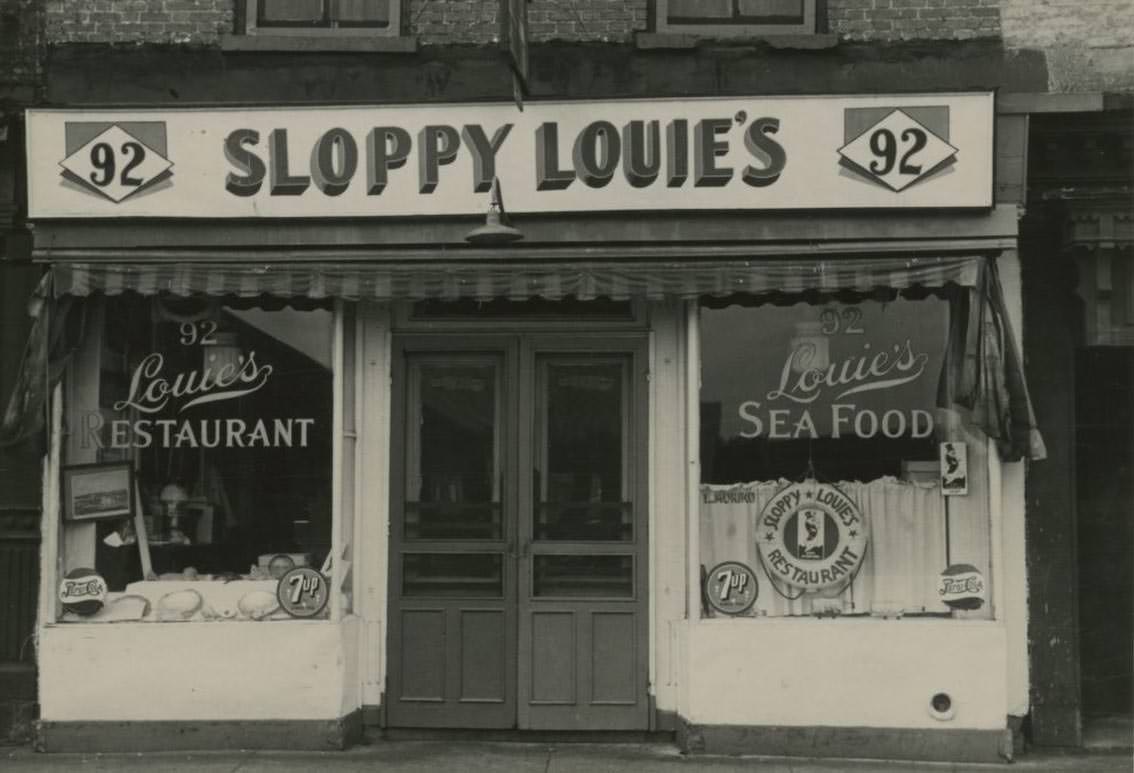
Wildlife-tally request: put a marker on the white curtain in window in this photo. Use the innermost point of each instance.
(904, 557)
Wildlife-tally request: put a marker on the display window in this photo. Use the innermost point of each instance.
(839, 474)
(197, 455)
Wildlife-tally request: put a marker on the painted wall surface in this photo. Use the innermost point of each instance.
(844, 673)
(1089, 46)
(188, 671)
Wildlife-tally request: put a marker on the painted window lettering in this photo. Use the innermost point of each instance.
(810, 396)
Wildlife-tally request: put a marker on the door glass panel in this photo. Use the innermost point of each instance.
(453, 575)
(453, 465)
(580, 479)
(608, 576)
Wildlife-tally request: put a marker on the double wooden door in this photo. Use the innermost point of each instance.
(518, 578)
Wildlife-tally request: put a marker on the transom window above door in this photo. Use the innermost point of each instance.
(720, 18)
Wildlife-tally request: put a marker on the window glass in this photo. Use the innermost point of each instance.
(740, 11)
(738, 16)
(224, 412)
(323, 13)
(824, 447)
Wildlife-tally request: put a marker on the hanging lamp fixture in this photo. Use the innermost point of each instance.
(496, 229)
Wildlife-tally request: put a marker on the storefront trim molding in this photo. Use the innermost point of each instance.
(200, 735)
(576, 234)
(952, 745)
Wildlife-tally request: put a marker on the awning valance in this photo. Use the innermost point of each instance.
(516, 280)
(984, 374)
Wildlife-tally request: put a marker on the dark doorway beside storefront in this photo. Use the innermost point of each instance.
(1077, 250)
(1104, 448)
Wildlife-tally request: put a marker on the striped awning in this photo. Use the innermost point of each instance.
(517, 280)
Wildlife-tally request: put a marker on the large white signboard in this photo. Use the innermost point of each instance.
(751, 153)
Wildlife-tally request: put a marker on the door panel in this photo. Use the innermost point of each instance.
(584, 546)
(484, 667)
(518, 537)
(614, 658)
(423, 666)
(452, 575)
(553, 646)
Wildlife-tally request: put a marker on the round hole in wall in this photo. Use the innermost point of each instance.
(941, 706)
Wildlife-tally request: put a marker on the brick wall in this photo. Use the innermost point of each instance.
(914, 19)
(475, 21)
(21, 34)
(437, 22)
(1089, 44)
(433, 21)
(137, 21)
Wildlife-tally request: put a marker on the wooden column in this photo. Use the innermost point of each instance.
(1051, 332)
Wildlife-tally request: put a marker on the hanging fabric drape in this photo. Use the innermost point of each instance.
(984, 373)
(57, 329)
(904, 555)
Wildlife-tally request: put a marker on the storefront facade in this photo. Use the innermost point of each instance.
(727, 444)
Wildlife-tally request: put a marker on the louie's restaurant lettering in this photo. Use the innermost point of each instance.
(154, 389)
(810, 377)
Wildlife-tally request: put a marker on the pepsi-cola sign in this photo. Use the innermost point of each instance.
(962, 586)
(83, 592)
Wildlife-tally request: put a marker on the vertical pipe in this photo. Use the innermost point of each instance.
(49, 557)
(654, 315)
(997, 565)
(337, 377)
(693, 453)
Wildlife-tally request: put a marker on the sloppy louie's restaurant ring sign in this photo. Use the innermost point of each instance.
(746, 153)
(811, 536)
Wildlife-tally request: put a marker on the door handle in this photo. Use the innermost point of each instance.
(525, 548)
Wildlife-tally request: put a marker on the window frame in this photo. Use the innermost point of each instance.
(809, 26)
(71, 542)
(251, 28)
(989, 507)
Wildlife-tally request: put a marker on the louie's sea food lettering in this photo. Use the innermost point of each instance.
(806, 380)
(862, 372)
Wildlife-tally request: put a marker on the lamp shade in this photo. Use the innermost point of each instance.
(173, 495)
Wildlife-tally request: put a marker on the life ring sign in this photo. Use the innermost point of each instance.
(811, 536)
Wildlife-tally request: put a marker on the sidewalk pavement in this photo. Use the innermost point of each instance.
(492, 757)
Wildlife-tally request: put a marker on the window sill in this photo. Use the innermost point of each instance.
(322, 43)
(675, 40)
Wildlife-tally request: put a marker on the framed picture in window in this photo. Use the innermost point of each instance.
(94, 491)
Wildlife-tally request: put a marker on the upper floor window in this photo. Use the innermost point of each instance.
(737, 17)
(335, 17)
